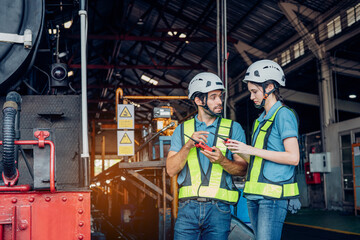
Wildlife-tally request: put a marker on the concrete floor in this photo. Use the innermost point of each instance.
(321, 224)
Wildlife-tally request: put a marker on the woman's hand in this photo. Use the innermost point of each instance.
(238, 147)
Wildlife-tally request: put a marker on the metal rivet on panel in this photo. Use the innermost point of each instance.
(31, 199)
(81, 224)
(80, 237)
(48, 199)
(14, 200)
(23, 225)
(80, 211)
(81, 198)
(64, 199)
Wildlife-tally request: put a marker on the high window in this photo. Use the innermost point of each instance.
(298, 49)
(285, 57)
(334, 27)
(353, 15)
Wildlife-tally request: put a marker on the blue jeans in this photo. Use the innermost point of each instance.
(267, 218)
(202, 220)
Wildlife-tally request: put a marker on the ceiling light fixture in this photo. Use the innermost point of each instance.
(68, 24)
(352, 96)
(53, 31)
(170, 33)
(140, 22)
(149, 80)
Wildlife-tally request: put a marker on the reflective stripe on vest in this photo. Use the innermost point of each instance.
(213, 190)
(252, 185)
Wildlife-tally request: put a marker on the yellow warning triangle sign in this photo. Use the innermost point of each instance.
(125, 139)
(125, 113)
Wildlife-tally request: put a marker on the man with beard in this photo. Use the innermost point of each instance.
(206, 189)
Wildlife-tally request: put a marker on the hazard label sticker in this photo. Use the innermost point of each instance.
(125, 142)
(125, 139)
(125, 117)
(125, 113)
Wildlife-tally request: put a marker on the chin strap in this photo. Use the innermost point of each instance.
(266, 95)
(207, 109)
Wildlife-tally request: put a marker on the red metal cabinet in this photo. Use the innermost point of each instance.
(311, 177)
(44, 216)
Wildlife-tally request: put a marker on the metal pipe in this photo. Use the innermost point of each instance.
(221, 37)
(218, 36)
(57, 43)
(119, 94)
(225, 55)
(92, 152)
(85, 140)
(19, 188)
(52, 157)
(103, 154)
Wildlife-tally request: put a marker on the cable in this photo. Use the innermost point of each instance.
(72, 89)
(33, 89)
(49, 80)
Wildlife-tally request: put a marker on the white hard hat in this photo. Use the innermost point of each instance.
(204, 83)
(265, 70)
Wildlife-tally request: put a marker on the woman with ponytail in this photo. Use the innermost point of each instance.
(270, 188)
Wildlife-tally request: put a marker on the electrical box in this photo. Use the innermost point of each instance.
(320, 162)
(162, 112)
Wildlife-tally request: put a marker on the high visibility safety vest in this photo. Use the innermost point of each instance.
(256, 183)
(211, 184)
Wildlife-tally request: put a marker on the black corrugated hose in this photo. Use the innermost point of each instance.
(9, 114)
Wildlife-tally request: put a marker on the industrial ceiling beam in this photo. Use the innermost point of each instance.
(111, 66)
(289, 10)
(328, 45)
(244, 48)
(185, 18)
(173, 54)
(194, 26)
(93, 86)
(310, 99)
(151, 38)
(345, 67)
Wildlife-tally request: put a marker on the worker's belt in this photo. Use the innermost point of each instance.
(199, 199)
(203, 199)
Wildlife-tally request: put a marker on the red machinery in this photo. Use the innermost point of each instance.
(311, 177)
(41, 214)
